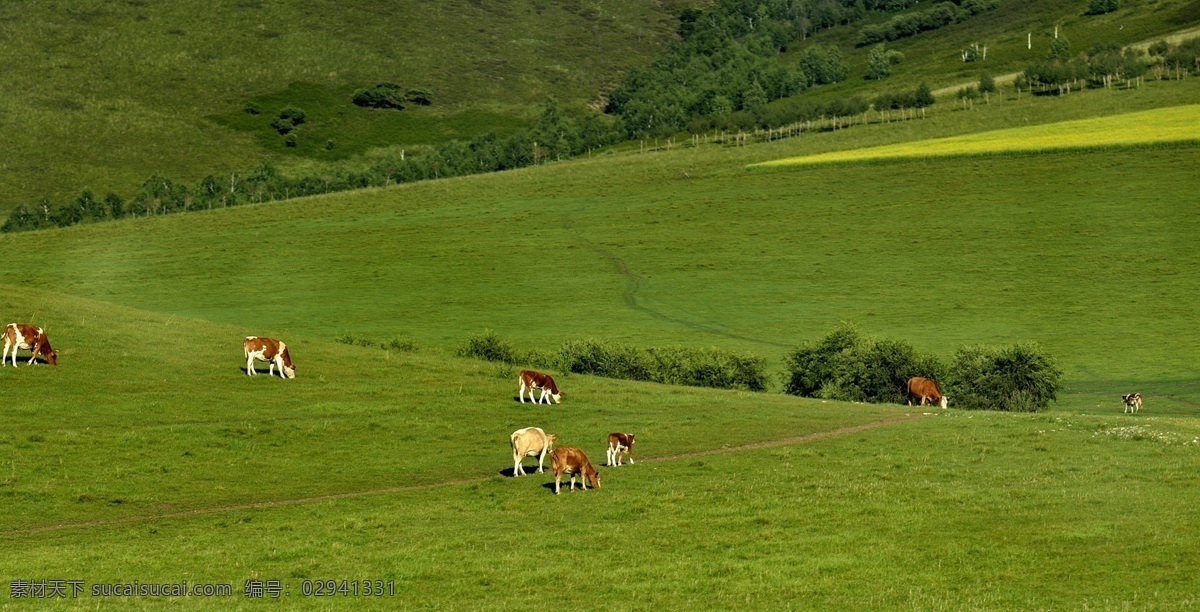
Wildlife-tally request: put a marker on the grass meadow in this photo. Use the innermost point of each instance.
(100, 95)
(148, 455)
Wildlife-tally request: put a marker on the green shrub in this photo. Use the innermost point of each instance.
(488, 346)
(1017, 378)
(608, 359)
(383, 95)
(845, 365)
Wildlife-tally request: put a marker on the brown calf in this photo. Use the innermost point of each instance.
(923, 389)
(571, 460)
(28, 338)
(619, 443)
(271, 351)
(536, 380)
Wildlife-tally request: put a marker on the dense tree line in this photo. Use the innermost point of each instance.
(1106, 63)
(910, 24)
(727, 61)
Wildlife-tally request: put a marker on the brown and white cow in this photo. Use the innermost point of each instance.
(1133, 402)
(271, 351)
(571, 460)
(537, 381)
(28, 338)
(923, 389)
(619, 443)
(530, 442)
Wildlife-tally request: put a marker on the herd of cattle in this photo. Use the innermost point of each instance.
(527, 442)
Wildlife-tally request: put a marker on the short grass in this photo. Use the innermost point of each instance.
(1145, 129)
(101, 94)
(148, 455)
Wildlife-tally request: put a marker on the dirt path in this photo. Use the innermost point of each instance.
(842, 431)
(1005, 79)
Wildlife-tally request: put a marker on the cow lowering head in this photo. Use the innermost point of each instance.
(289, 368)
(592, 476)
(42, 347)
(557, 397)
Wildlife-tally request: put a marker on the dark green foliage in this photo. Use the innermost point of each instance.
(489, 347)
(711, 367)
(845, 365)
(913, 23)
(1159, 48)
(812, 366)
(1100, 7)
(880, 60)
(923, 96)
(1017, 378)
(289, 118)
(252, 108)
(419, 96)
(823, 65)
(726, 50)
(383, 95)
(987, 84)
(920, 97)
(1060, 50)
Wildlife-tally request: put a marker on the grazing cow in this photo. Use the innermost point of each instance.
(923, 389)
(28, 338)
(1133, 402)
(571, 460)
(530, 442)
(537, 381)
(619, 443)
(271, 351)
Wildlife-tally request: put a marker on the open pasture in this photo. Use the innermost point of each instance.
(1164, 127)
(148, 455)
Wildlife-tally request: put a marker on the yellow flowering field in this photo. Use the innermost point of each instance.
(1145, 128)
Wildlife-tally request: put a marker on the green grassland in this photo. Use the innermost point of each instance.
(101, 94)
(148, 455)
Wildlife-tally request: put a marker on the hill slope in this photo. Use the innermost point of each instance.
(102, 94)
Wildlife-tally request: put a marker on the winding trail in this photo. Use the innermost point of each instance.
(841, 431)
(633, 284)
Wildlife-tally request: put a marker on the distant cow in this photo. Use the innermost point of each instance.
(923, 389)
(28, 338)
(1133, 402)
(530, 442)
(537, 381)
(619, 443)
(571, 460)
(271, 351)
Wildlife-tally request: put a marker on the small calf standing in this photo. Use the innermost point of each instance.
(619, 443)
(271, 351)
(1133, 402)
(530, 442)
(923, 389)
(29, 338)
(532, 380)
(571, 460)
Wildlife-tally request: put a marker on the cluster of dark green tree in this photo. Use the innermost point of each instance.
(391, 95)
(728, 61)
(673, 365)
(556, 135)
(1100, 66)
(846, 365)
(912, 23)
(1181, 59)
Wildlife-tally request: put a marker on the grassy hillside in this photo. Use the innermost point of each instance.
(1016, 34)
(147, 455)
(102, 94)
(687, 246)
